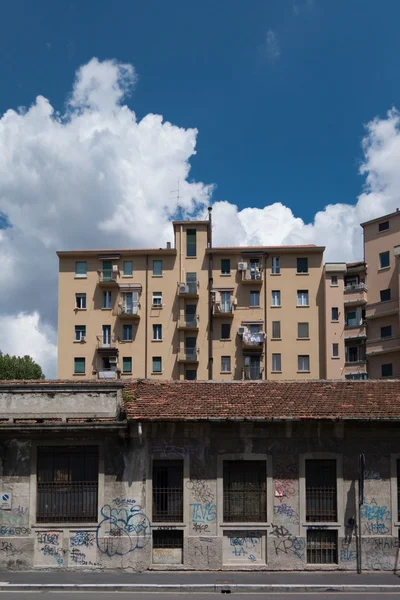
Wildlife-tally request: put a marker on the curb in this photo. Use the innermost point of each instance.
(206, 587)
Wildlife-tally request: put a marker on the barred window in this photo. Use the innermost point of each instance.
(245, 491)
(168, 491)
(321, 491)
(322, 547)
(67, 484)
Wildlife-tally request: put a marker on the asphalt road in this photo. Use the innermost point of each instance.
(192, 596)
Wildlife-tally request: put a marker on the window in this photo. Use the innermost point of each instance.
(398, 490)
(225, 305)
(79, 365)
(191, 282)
(157, 332)
(157, 364)
(303, 331)
(303, 363)
(191, 242)
(387, 370)
(127, 364)
(107, 273)
(225, 266)
(302, 265)
(107, 299)
(128, 268)
(80, 301)
(191, 374)
(385, 295)
(302, 297)
(383, 226)
(335, 313)
(225, 331)
(157, 268)
(276, 297)
(351, 319)
(384, 259)
(244, 491)
(334, 280)
(67, 484)
(335, 350)
(356, 376)
(80, 332)
(127, 333)
(255, 298)
(225, 364)
(80, 268)
(276, 330)
(157, 299)
(355, 354)
(276, 363)
(321, 493)
(168, 491)
(276, 265)
(386, 331)
(322, 546)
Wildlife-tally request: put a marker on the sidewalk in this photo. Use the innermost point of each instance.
(157, 581)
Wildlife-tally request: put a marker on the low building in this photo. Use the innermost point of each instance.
(199, 475)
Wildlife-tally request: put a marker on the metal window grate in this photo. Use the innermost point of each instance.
(167, 539)
(245, 491)
(322, 547)
(67, 484)
(168, 491)
(321, 493)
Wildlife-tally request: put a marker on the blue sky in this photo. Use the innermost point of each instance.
(274, 125)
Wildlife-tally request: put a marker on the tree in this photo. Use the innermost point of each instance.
(19, 367)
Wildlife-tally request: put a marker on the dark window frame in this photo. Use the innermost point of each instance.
(386, 371)
(383, 293)
(382, 258)
(321, 490)
(167, 500)
(225, 327)
(224, 270)
(240, 495)
(383, 226)
(302, 264)
(386, 331)
(191, 246)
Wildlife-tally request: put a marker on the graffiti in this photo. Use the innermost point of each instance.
(371, 476)
(83, 538)
(383, 543)
(284, 484)
(21, 510)
(286, 542)
(348, 555)
(51, 551)
(49, 544)
(200, 490)
(13, 520)
(246, 546)
(200, 527)
(375, 528)
(205, 551)
(205, 539)
(77, 556)
(123, 501)
(203, 512)
(167, 527)
(288, 511)
(279, 531)
(377, 563)
(122, 530)
(252, 558)
(374, 512)
(9, 549)
(4, 530)
(48, 538)
(167, 450)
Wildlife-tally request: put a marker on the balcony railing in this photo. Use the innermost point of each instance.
(188, 323)
(108, 277)
(252, 373)
(252, 276)
(67, 501)
(107, 374)
(253, 341)
(188, 289)
(106, 343)
(188, 355)
(355, 286)
(222, 309)
(128, 310)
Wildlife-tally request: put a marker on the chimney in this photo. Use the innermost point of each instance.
(168, 245)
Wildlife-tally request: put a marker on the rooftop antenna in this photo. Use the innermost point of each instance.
(178, 204)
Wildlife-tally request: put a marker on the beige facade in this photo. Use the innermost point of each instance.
(192, 311)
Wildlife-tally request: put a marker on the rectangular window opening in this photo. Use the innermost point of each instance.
(276, 330)
(383, 226)
(335, 350)
(321, 491)
(128, 268)
(334, 280)
(157, 364)
(225, 266)
(335, 313)
(225, 364)
(225, 331)
(80, 301)
(387, 370)
(302, 297)
(157, 299)
(302, 330)
(384, 260)
(167, 547)
(80, 333)
(302, 265)
(303, 362)
(80, 268)
(276, 297)
(244, 491)
(168, 491)
(157, 268)
(385, 295)
(386, 331)
(79, 365)
(157, 332)
(127, 364)
(255, 298)
(276, 265)
(276, 363)
(191, 243)
(322, 547)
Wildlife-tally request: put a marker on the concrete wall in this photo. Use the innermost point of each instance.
(125, 499)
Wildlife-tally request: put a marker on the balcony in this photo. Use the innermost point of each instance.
(128, 311)
(188, 355)
(189, 323)
(355, 368)
(354, 332)
(107, 278)
(252, 373)
(106, 344)
(222, 310)
(188, 290)
(107, 374)
(383, 345)
(382, 309)
(253, 342)
(355, 294)
(253, 276)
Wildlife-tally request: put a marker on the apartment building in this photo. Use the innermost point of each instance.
(191, 311)
(382, 253)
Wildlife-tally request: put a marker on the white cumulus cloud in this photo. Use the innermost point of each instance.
(96, 176)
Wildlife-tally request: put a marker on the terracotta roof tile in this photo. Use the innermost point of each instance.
(147, 400)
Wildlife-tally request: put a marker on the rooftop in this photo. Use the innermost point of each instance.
(382, 218)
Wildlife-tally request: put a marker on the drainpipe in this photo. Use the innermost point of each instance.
(146, 316)
(210, 284)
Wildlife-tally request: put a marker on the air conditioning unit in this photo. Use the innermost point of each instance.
(183, 288)
(242, 266)
(113, 360)
(242, 330)
(115, 268)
